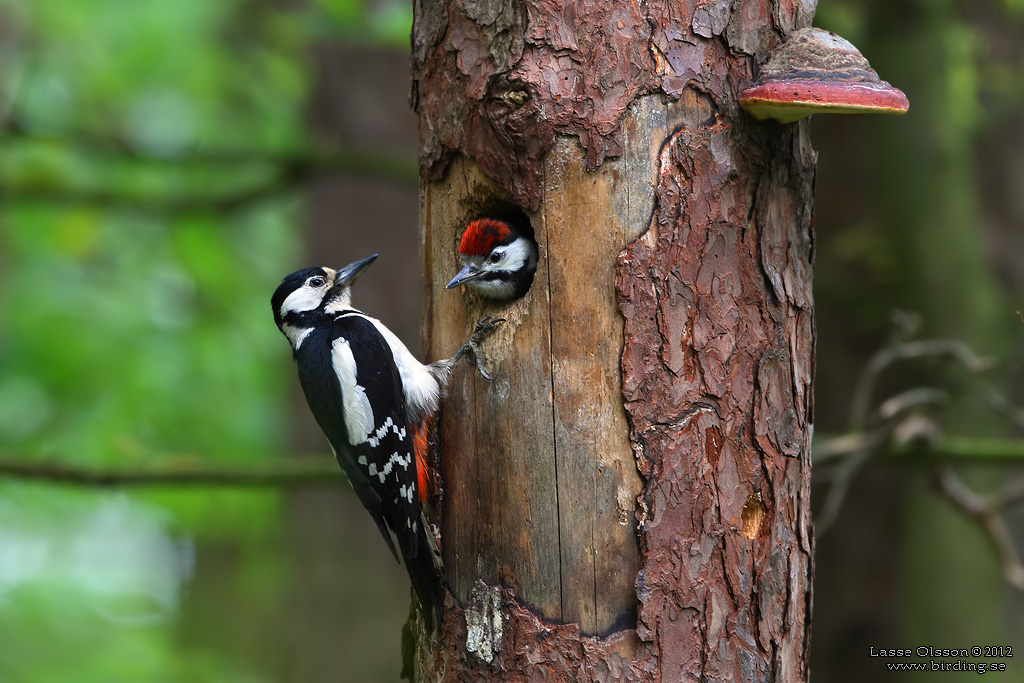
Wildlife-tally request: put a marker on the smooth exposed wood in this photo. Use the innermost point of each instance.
(540, 482)
(597, 477)
(500, 517)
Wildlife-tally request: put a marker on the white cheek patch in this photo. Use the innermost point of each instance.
(358, 413)
(302, 299)
(515, 256)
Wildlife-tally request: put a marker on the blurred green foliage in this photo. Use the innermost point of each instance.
(914, 221)
(144, 222)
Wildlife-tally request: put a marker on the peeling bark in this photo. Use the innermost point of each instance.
(718, 367)
(497, 81)
(685, 228)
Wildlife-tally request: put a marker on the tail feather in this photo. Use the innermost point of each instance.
(426, 573)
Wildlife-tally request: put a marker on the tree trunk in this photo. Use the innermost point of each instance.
(628, 499)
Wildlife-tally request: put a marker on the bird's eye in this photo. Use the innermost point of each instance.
(316, 281)
(495, 257)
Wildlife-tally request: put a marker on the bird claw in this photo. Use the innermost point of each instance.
(483, 329)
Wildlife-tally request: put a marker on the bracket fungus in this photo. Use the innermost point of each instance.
(817, 72)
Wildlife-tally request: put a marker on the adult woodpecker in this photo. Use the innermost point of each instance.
(498, 259)
(374, 401)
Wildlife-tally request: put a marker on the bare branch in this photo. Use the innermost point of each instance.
(901, 350)
(287, 171)
(304, 471)
(860, 406)
(848, 453)
(966, 449)
(986, 514)
(1011, 494)
(962, 449)
(826, 448)
(1002, 405)
(902, 431)
(846, 470)
(915, 398)
(338, 159)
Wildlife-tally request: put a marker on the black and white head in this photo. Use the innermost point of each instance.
(498, 260)
(308, 294)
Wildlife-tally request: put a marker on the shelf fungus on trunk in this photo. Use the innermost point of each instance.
(817, 72)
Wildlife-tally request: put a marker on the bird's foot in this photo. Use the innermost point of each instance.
(483, 329)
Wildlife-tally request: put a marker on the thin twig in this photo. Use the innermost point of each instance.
(861, 403)
(896, 437)
(1002, 405)
(988, 517)
(1011, 494)
(827, 448)
(318, 471)
(961, 449)
(890, 411)
(964, 449)
(845, 471)
(915, 398)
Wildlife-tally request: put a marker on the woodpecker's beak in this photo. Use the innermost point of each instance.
(348, 274)
(467, 274)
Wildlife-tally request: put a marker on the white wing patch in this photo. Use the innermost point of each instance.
(515, 256)
(358, 413)
(407, 492)
(383, 430)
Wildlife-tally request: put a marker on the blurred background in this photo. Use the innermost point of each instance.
(163, 165)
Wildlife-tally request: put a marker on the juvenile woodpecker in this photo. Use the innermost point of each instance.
(498, 259)
(374, 401)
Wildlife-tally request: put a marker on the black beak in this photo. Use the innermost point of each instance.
(348, 274)
(467, 274)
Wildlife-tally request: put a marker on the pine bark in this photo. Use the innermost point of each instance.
(628, 499)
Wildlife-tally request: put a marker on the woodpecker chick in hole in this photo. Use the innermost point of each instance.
(498, 259)
(375, 402)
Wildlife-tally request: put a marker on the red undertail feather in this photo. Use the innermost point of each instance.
(420, 433)
(482, 235)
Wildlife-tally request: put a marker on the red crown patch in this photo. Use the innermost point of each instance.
(482, 235)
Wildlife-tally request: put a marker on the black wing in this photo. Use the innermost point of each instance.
(355, 392)
(378, 451)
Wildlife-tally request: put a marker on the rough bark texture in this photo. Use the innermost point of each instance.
(717, 378)
(669, 207)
